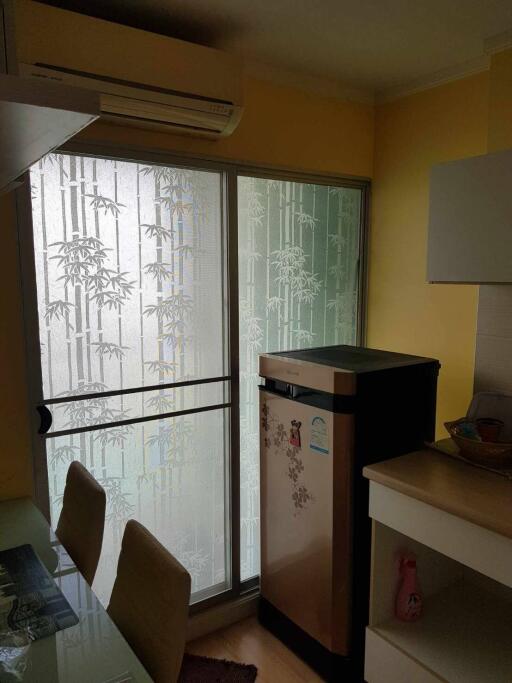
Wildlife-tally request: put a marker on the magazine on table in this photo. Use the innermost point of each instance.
(29, 597)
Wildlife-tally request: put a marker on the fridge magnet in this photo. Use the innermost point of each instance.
(294, 439)
(319, 436)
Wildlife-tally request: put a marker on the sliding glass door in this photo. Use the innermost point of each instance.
(150, 289)
(300, 250)
(131, 270)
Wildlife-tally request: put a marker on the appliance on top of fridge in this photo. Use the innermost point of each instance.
(325, 413)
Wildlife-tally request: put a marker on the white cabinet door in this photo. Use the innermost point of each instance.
(470, 226)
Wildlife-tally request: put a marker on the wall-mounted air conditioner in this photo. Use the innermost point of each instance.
(143, 79)
(136, 103)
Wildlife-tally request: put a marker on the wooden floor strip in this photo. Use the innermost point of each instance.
(249, 643)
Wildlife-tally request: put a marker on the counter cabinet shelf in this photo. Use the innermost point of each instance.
(464, 637)
(465, 572)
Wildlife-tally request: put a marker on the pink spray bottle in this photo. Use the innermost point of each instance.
(409, 600)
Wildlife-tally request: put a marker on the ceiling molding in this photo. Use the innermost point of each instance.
(314, 85)
(498, 42)
(339, 91)
(452, 73)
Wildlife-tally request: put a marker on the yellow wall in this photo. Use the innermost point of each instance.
(15, 461)
(500, 102)
(280, 126)
(404, 312)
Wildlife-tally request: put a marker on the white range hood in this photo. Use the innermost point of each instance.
(35, 118)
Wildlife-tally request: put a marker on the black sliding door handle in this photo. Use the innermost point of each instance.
(46, 419)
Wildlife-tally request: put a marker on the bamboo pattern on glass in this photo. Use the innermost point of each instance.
(298, 288)
(129, 276)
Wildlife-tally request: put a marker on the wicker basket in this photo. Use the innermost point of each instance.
(481, 452)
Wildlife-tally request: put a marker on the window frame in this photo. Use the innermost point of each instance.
(230, 172)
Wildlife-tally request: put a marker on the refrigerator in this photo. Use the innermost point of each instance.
(325, 413)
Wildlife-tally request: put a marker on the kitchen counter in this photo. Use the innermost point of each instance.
(448, 484)
(456, 520)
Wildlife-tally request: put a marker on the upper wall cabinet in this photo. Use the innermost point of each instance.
(470, 226)
(35, 118)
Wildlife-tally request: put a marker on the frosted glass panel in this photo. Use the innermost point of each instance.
(168, 474)
(298, 288)
(129, 273)
(130, 267)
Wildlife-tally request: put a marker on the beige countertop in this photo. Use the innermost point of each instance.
(471, 493)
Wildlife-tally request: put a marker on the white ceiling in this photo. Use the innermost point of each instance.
(375, 45)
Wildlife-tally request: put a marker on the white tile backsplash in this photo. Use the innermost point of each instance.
(493, 356)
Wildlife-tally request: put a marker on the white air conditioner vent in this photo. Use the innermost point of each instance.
(137, 103)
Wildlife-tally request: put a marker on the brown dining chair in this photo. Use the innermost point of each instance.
(82, 520)
(149, 603)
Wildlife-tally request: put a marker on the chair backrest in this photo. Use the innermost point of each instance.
(149, 603)
(82, 520)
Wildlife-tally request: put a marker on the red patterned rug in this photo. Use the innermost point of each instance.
(197, 669)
